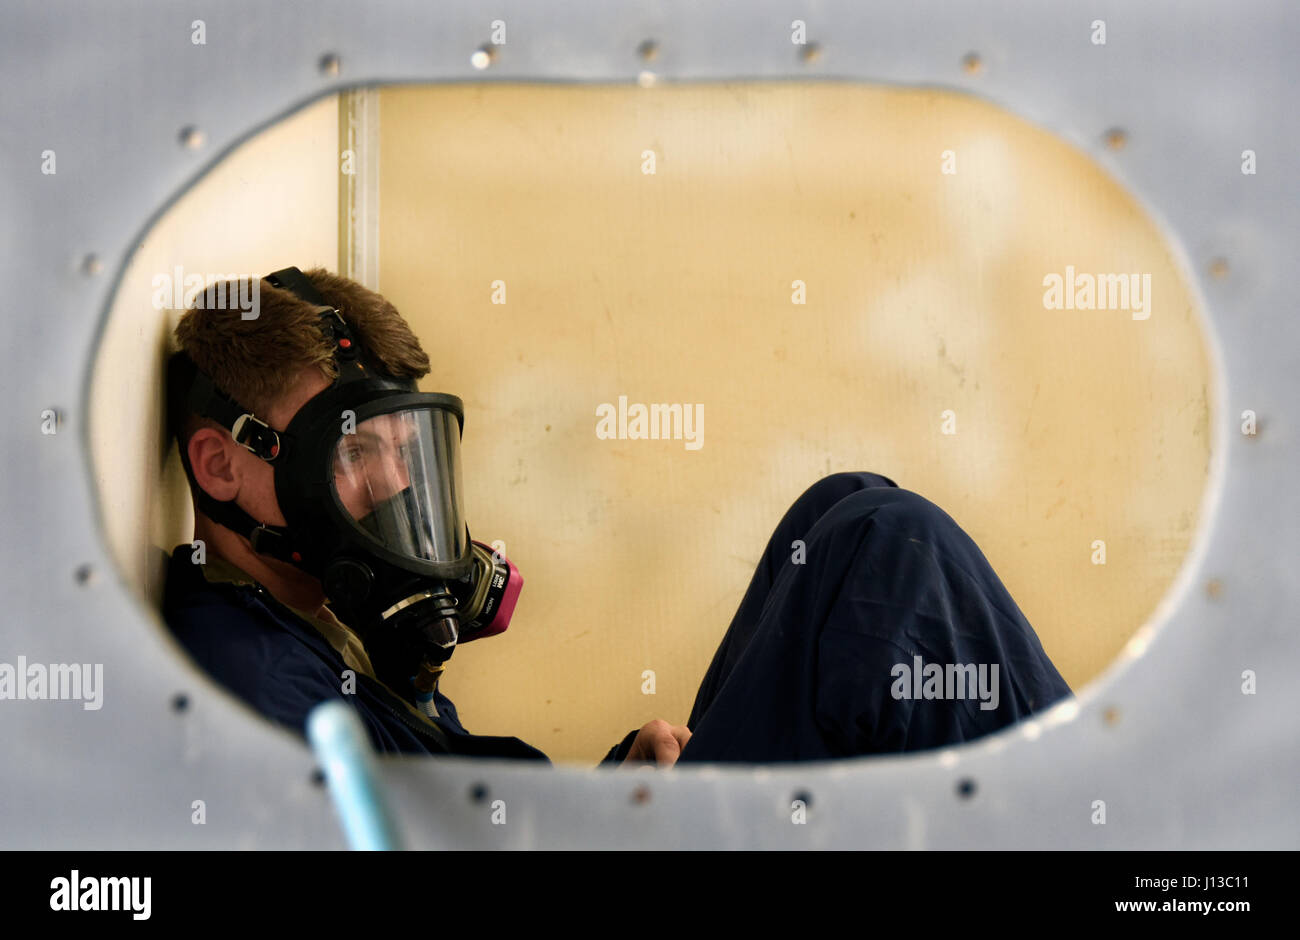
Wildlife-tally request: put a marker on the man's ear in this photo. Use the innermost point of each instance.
(212, 459)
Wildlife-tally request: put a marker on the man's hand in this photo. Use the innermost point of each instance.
(658, 742)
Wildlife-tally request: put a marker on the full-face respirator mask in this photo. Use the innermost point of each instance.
(368, 477)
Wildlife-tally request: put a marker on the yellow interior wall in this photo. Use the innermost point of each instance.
(924, 293)
(271, 203)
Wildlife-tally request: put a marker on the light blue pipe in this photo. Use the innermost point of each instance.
(339, 740)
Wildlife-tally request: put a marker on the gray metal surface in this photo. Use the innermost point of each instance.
(1191, 762)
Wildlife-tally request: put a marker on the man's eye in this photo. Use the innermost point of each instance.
(353, 454)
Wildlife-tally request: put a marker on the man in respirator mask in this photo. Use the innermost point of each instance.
(343, 485)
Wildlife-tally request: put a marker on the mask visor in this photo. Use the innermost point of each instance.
(398, 478)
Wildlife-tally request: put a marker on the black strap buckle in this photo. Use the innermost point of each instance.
(338, 331)
(265, 540)
(265, 442)
(255, 537)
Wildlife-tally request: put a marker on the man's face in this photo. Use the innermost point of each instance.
(371, 460)
(372, 464)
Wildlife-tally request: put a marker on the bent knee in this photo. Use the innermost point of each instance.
(835, 486)
(901, 509)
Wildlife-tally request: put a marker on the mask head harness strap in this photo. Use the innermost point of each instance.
(207, 400)
(347, 351)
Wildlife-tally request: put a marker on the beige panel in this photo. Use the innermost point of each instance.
(924, 293)
(272, 203)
